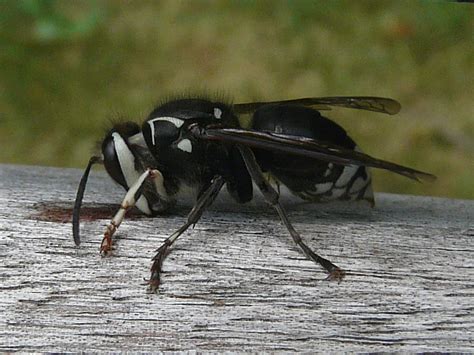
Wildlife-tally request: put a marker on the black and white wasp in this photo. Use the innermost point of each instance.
(198, 144)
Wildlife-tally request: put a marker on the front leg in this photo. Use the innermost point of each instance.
(271, 196)
(205, 200)
(130, 199)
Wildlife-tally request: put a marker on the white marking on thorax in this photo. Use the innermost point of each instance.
(217, 112)
(185, 145)
(127, 165)
(173, 120)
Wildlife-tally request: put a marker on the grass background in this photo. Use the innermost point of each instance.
(68, 67)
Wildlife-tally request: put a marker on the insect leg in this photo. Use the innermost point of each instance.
(271, 196)
(132, 196)
(205, 200)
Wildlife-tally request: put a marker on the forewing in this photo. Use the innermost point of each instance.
(305, 147)
(369, 103)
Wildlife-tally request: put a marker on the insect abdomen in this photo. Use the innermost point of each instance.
(311, 179)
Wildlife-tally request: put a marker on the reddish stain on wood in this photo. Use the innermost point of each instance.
(62, 213)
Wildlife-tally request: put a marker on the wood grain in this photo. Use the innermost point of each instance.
(236, 282)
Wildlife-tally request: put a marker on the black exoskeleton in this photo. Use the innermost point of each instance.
(199, 145)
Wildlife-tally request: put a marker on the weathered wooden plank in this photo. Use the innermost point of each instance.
(236, 282)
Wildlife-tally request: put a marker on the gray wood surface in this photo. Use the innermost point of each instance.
(236, 281)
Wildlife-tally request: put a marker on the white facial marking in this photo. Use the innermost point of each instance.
(185, 145)
(346, 175)
(127, 165)
(175, 121)
(217, 112)
(126, 160)
(137, 139)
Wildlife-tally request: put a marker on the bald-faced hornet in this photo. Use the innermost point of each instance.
(200, 144)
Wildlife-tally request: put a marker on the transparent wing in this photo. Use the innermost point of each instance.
(305, 147)
(369, 103)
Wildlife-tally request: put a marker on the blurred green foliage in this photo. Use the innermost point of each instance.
(46, 20)
(68, 67)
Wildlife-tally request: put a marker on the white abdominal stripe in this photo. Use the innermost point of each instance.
(344, 187)
(347, 174)
(127, 166)
(350, 184)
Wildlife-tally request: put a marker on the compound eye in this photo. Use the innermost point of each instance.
(162, 131)
(111, 160)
